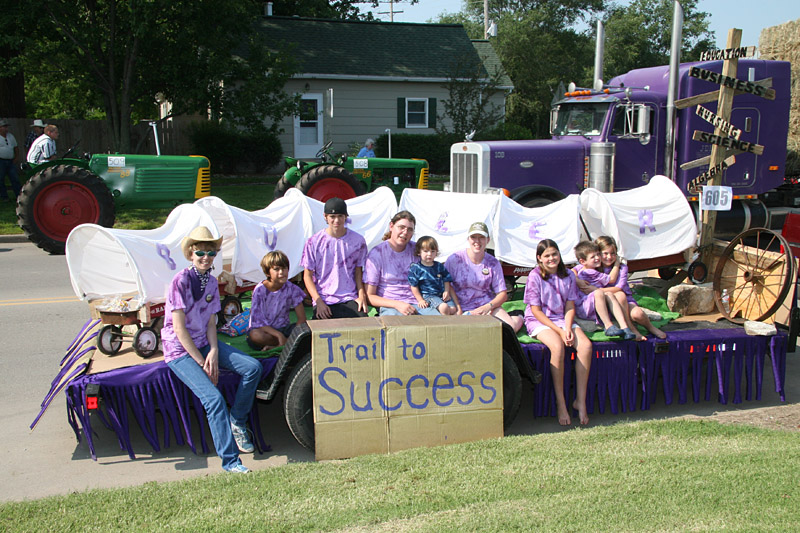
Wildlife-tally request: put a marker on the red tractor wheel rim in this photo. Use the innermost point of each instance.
(61, 206)
(328, 188)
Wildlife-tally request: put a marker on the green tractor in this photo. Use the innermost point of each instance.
(69, 191)
(347, 177)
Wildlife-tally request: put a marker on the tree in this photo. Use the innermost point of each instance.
(124, 53)
(468, 105)
(639, 35)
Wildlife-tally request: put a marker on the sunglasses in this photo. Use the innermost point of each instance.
(201, 253)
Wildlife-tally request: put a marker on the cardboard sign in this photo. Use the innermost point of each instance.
(386, 384)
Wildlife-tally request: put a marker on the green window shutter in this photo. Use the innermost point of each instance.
(431, 112)
(401, 113)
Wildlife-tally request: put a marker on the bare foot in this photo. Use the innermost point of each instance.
(640, 337)
(582, 414)
(563, 417)
(658, 333)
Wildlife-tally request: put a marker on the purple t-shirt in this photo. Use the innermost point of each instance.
(198, 313)
(551, 295)
(388, 271)
(475, 285)
(333, 262)
(622, 282)
(272, 308)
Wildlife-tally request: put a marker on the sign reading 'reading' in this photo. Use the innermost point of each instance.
(386, 384)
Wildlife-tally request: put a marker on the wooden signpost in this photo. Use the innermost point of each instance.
(726, 139)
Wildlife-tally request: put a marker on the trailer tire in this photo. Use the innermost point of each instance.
(512, 390)
(298, 403)
(145, 342)
(59, 198)
(330, 181)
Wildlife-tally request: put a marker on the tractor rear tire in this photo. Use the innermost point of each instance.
(280, 188)
(330, 181)
(59, 198)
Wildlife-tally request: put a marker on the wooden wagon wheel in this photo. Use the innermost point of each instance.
(757, 269)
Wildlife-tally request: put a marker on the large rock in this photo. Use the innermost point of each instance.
(751, 327)
(691, 299)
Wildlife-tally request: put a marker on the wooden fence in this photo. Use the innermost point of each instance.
(94, 137)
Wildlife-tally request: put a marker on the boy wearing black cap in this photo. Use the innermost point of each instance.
(333, 260)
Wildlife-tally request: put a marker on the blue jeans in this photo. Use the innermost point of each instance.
(8, 168)
(391, 311)
(219, 421)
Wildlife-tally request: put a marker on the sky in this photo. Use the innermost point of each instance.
(751, 16)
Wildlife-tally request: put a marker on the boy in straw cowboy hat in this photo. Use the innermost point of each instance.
(193, 353)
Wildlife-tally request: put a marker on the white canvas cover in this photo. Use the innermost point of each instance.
(284, 225)
(518, 229)
(447, 216)
(105, 262)
(368, 214)
(654, 220)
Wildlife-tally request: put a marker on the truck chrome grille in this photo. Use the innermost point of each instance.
(464, 173)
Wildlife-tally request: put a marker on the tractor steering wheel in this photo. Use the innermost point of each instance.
(71, 149)
(323, 152)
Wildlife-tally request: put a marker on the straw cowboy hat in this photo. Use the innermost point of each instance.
(38, 124)
(198, 234)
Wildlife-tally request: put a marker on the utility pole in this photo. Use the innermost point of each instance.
(391, 11)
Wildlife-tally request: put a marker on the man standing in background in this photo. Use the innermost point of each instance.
(35, 133)
(44, 148)
(9, 152)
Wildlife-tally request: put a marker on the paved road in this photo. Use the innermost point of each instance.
(39, 316)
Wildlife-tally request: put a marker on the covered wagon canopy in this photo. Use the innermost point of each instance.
(651, 221)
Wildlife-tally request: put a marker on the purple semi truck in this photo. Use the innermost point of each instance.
(615, 140)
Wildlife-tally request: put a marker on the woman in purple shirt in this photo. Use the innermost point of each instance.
(478, 278)
(386, 272)
(193, 353)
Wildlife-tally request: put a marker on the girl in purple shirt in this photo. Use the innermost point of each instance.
(619, 286)
(193, 353)
(550, 295)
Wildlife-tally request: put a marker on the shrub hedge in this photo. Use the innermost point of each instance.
(233, 151)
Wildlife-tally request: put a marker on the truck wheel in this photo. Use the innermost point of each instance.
(59, 198)
(329, 181)
(298, 403)
(280, 188)
(512, 390)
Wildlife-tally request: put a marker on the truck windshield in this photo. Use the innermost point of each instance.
(580, 119)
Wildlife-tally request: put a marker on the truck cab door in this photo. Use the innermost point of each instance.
(636, 158)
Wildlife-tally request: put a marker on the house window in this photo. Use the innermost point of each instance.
(416, 112)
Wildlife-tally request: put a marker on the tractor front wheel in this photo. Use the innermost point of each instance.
(59, 198)
(330, 181)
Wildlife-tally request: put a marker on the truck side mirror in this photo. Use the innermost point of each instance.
(642, 120)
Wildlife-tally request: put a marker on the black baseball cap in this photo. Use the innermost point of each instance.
(335, 206)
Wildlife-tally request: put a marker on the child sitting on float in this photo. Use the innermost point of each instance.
(272, 300)
(594, 304)
(431, 283)
(193, 352)
(550, 296)
(618, 284)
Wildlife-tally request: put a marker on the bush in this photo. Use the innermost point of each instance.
(233, 151)
(505, 131)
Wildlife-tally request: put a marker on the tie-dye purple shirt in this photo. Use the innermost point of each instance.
(388, 271)
(475, 285)
(333, 262)
(197, 312)
(551, 295)
(272, 308)
(622, 282)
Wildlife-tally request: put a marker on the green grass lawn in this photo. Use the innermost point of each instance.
(642, 476)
